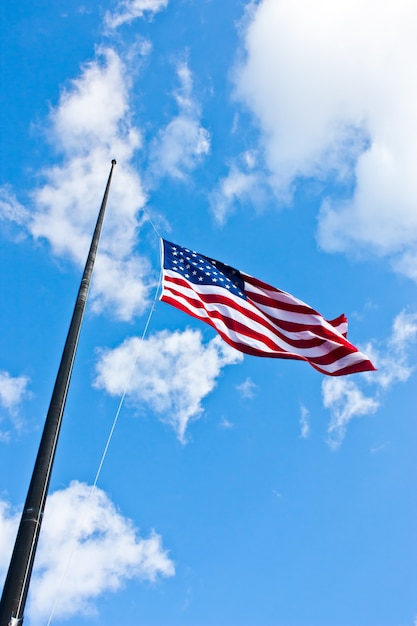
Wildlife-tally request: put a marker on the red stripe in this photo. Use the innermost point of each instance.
(229, 322)
(342, 319)
(277, 304)
(314, 342)
(361, 366)
(236, 344)
(320, 334)
(333, 354)
(317, 329)
(355, 368)
(252, 311)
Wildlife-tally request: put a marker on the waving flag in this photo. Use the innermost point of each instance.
(254, 317)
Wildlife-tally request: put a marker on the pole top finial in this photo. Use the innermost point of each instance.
(113, 161)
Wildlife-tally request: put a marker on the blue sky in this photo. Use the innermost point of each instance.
(277, 136)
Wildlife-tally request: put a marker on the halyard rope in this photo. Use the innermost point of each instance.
(109, 438)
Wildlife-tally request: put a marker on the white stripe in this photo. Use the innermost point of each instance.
(346, 361)
(314, 318)
(278, 295)
(256, 327)
(264, 312)
(221, 325)
(254, 308)
(342, 328)
(310, 319)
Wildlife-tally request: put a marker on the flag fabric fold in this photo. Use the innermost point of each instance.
(255, 317)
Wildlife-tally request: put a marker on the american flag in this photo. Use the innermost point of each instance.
(254, 317)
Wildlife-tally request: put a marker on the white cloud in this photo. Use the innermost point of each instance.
(406, 263)
(129, 10)
(344, 398)
(404, 331)
(181, 145)
(333, 88)
(393, 360)
(174, 371)
(305, 422)
(247, 389)
(378, 448)
(226, 424)
(90, 126)
(235, 186)
(95, 550)
(243, 183)
(10, 208)
(13, 390)
(93, 111)
(120, 284)
(105, 547)
(9, 520)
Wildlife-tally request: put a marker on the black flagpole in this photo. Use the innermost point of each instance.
(16, 586)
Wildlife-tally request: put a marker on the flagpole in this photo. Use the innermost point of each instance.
(16, 586)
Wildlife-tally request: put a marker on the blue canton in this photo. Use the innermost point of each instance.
(201, 270)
